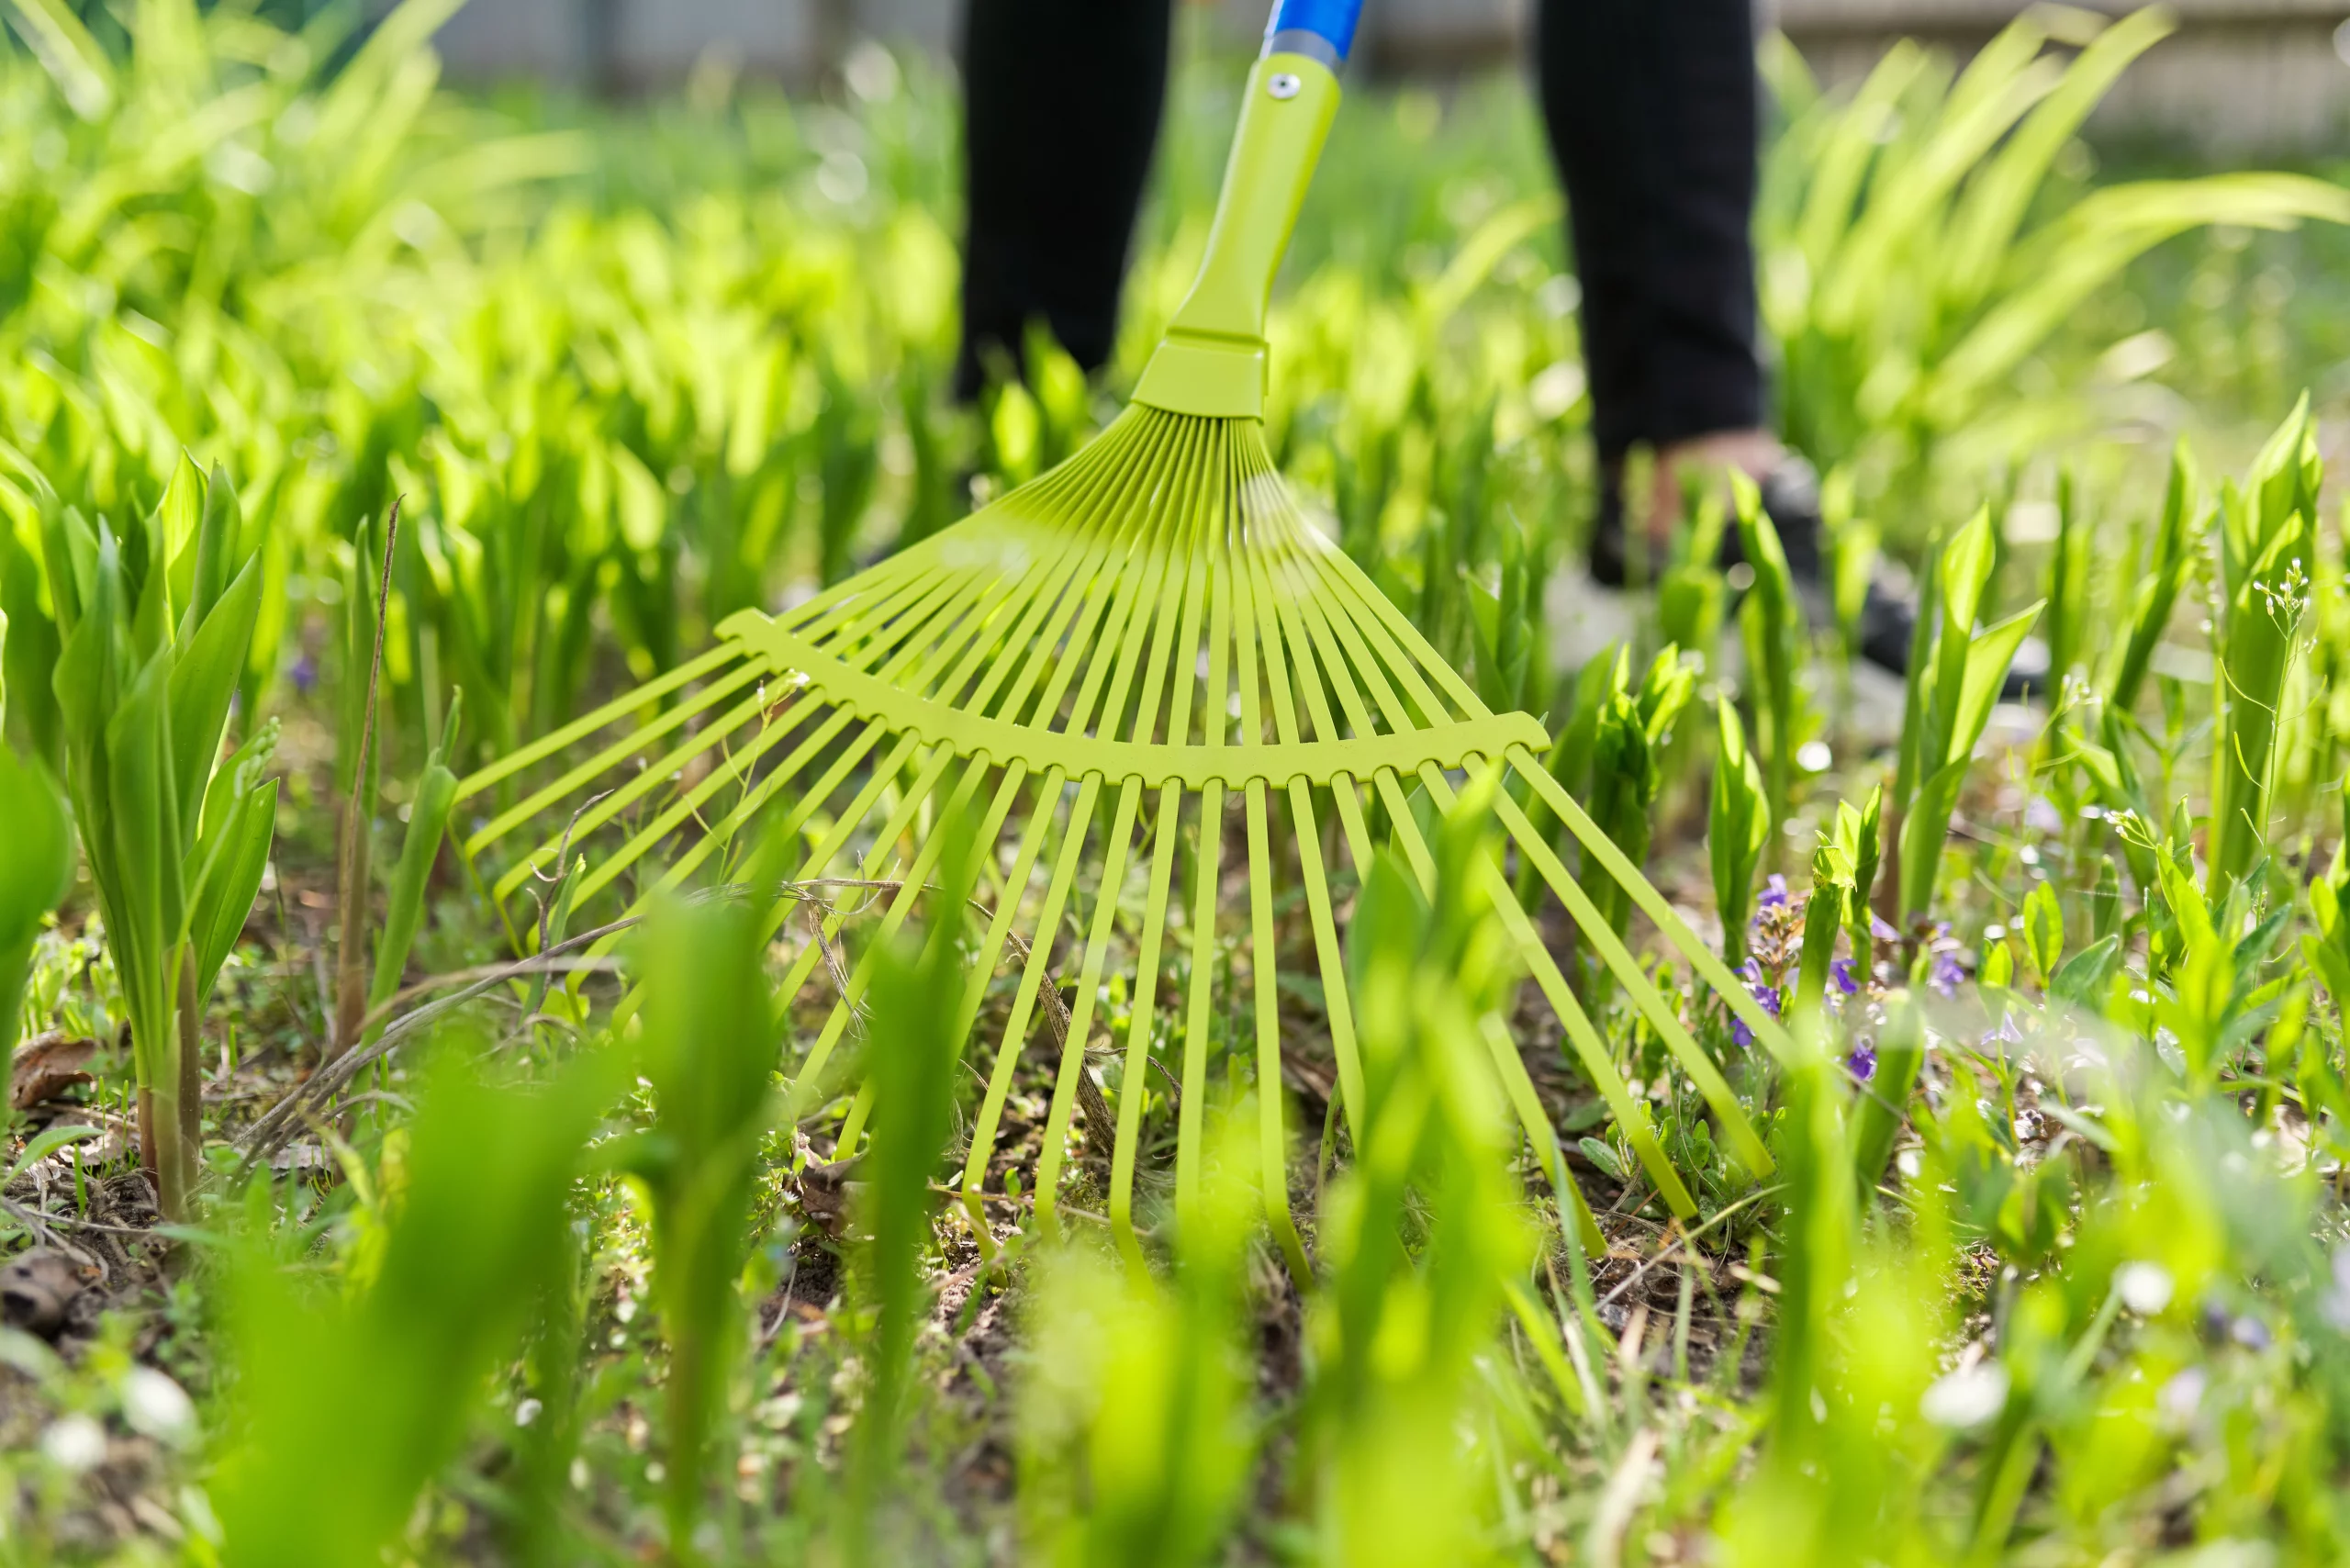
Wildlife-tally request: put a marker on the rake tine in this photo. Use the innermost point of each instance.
(1190, 1113)
(673, 816)
(619, 751)
(1591, 1050)
(1080, 827)
(758, 797)
(1057, 602)
(1351, 822)
(688, 862)
(818, 861)
(1374, 609)
(1406, 829)
(588, 723)
(1097, 945)
(1131, 1093)
(1100, 595)
(1140, 614)
(1337, 1005)
(1030, 593)
(1736, 1129)
(865, 618)
(689, 805)
(1519, 1087)
(1014, 886)
(909, 892)
(1273, 1140)
(1305, 656)
(656, 776)
(1329, 617)
(690, 859)
(935, 615)
(1766, 1028)
(932, 633)
(1079, 617)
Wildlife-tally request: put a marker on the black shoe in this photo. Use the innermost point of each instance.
(1609, 560)
(1888, 619)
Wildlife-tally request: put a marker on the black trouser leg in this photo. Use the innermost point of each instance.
(1063, 99)
(1652, 109)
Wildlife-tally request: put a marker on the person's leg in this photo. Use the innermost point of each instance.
(1652, 111)
(1062, 101)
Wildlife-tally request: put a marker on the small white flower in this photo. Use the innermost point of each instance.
(2144, 1288)
(2336, 1302)
(1966, 1397)
(2183, 1395)
(1556, 391)
(157, 1408)
(74, 1443)
(527, 1411)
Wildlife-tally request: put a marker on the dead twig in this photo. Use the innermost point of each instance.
(273, 1127)
(1682, 1241)
(39, 1220)
(350, 872)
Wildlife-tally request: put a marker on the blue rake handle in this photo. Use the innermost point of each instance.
(1322, 29)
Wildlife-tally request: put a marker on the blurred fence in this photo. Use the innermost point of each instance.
(2239, 73)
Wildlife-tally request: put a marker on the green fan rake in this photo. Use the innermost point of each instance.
(1146, 637)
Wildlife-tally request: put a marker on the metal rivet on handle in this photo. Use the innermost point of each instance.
(1284, 86)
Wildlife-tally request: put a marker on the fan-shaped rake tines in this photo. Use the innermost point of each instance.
(1101, 670)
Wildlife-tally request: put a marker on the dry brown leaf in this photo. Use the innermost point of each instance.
(46, 1067)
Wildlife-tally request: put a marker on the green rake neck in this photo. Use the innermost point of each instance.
(1212, 362)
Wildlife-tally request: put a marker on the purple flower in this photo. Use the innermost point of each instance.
(1946, 976)
(1763, 991)
(2003, 1035)
(1840, 971)
(1861, 1063)
(305, 674)
(1775, 894)
(1881, 930)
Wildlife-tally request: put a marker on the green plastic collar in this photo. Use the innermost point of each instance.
(1211, 364)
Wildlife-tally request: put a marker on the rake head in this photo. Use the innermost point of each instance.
(1131, 664)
